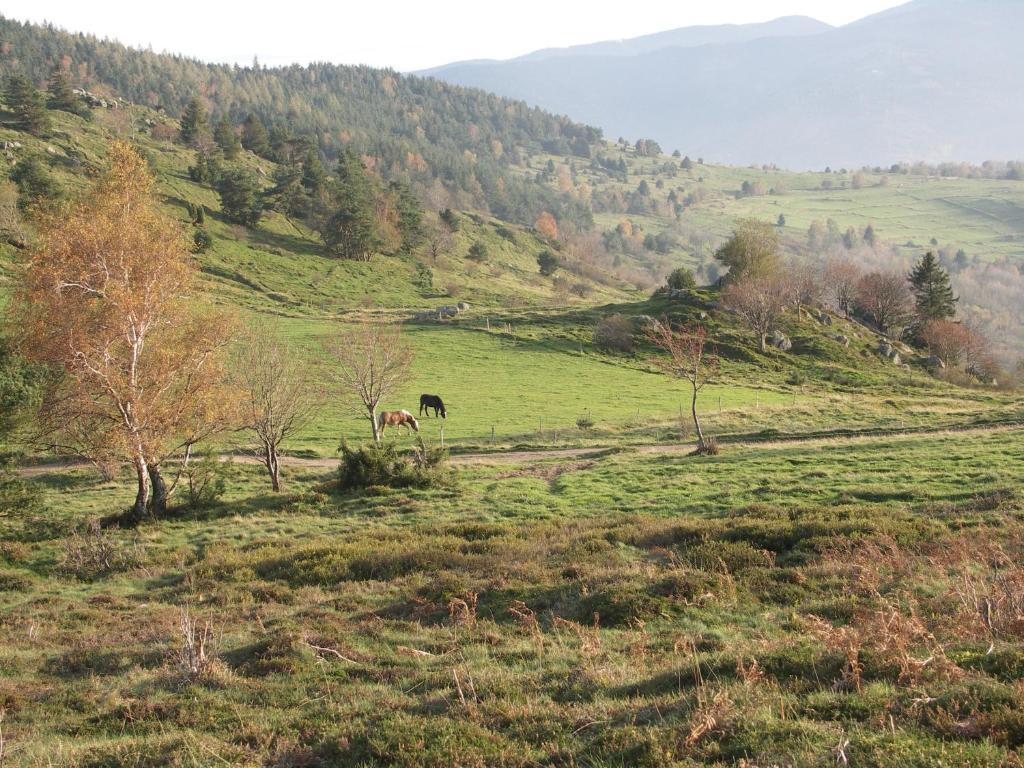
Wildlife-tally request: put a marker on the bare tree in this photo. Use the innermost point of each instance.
(688, 358)
(760, 301)
(806, 287)
(372, 362)
(841, 280)
(886, 298)
(278, 400)
(439, 241)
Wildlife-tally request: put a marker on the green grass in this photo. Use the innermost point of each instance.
(625, 604)
(664, 590)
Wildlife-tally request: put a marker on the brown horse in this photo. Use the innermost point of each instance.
(397, 419)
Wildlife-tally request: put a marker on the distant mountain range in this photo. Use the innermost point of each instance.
(934, 80)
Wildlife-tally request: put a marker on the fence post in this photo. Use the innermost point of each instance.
(492, 435)
(442, 435)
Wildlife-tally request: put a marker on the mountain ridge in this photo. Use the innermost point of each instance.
(876, 91)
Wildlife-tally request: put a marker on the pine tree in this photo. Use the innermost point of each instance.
(194, 123)
(27, 104)
(410, 216)
(240, 198)
(62, 97)
(255, 137)
(350, 231)
(933, 293)
(226, 138)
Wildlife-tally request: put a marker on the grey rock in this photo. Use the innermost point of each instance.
(779, 340)
(935, 363)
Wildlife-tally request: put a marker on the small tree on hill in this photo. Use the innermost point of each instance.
(350, 230)
(240, 198)
(227, 140)
(255, 137)
(61, 96)
(27, 104)
(547, 226)
(277, 400)
(753, 250)
(681, 279)
(371, 362)
(933, 293)
(477, 252)
(195, 123)
(760, 301)
(885, 298)
(949, 341)
(687, 358)
(842, 279)
(548, 263)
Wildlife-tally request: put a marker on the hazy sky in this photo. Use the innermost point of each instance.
(404, 34)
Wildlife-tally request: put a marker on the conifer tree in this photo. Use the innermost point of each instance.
(351, 230)
(240, 198)
(254, 136)
(62, 97)
(226, 138)
(195, 122)
(933, 293)
(27, 104)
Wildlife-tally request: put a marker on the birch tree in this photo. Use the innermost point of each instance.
(371, 362)
(106, 301)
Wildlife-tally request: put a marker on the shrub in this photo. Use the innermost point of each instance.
(580, 289)
(548, 263)
(614, 334)
(205, 481)
(93, 552)
(477, 252)
(585, 422)
(383, 465)
(201, 240)
(682, 279)
(709, 447)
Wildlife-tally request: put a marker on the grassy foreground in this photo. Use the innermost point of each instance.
(777, 604)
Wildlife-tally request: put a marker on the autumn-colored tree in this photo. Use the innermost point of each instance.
(949, 341)
(547, 226)
(107, 303)
(277, 399)
(370, 362)
(760, 301)
(885, 298)
(687, 357)
(841, 280)
(753, 250)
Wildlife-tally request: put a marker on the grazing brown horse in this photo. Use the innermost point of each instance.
(397, 419)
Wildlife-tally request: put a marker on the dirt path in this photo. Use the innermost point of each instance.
(532, 457)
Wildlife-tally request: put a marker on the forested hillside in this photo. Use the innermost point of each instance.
(454, 144)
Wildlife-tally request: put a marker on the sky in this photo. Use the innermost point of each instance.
(403, 34)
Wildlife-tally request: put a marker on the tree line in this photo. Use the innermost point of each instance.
(444, 141)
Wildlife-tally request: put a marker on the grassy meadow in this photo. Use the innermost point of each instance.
(840, 585)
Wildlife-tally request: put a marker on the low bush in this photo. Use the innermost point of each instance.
(383, 465)
(614, 334)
